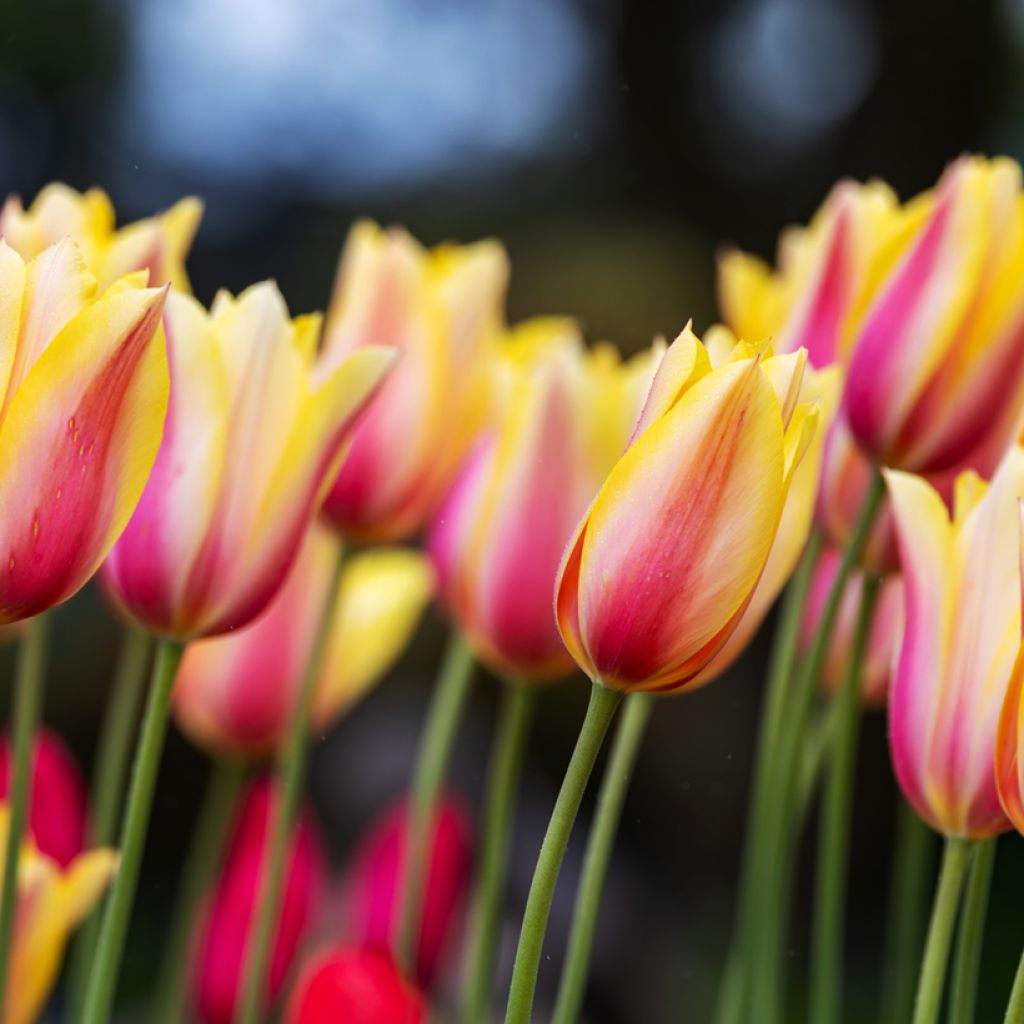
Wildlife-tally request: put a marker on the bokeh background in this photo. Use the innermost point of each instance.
(613, 146)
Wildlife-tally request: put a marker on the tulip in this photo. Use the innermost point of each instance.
(234, 694)
(51, 900)
(57, 800)
(962, 633)
(357, 986)
(227, 923)
(666, 560)
(158, 244)
(440, 309)
(254, 431)
(936, 346)
(84, 385)
(375, 876)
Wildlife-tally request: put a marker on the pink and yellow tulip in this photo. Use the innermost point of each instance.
(440, 310)
(1010, 734)
(233, 694)
(961, 638)
(83, 379)
(157, 244)
(254, 432)
(665, 562)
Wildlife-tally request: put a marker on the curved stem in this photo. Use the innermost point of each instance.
(100, 994)
(932, 977)
(617, 773)
(834, 835)
(291, 771)
(442, 721)
(600, 712)
(970, 934)
(517, 703)
(107, 791)
(204, 854)
(1015, 1007)
(28, 700)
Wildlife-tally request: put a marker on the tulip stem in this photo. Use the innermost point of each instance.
(107, 792)
(30, 676)
(291, 770)
(518, 700)
(100, 993)
(600, 712)
(628, 735)
(970, 935)
(204, 856)
(931, 980)
(446, 704)
(834, 829)
(1015, 1007)
(908, 895)
(764, 997)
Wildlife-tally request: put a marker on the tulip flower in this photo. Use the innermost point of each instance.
(499, 537)
(84, 385)
(51, 901)
(375, 876)
(961, 637)
(440, 309)
(936, 346)
(666, 560)
(227, 922)
(357, 986)
(1010, 734)
(883, 640)
(234, 694)
(254, 430)
(158, 244)
(57, 800)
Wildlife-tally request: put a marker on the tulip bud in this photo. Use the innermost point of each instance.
(57, 808)
(354, 986)
(226, 927)
(253, 433)
(1010, 734)
(960, 641)
(375, 877)
(666, 560)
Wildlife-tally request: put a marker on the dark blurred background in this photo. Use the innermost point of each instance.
(612, 146)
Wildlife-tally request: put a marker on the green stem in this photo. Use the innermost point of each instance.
(834, 834)
(600, 712)
(291, 771)
(628, 735)
(932, 977)
(970, 934)
(908, 896)
(222, 789)
(30, 677)
(439, 730)
(1015, 1007)
(108, 783)
(765, 961)
(517, 704)
(99, 995)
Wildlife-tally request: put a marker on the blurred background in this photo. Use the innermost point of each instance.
(612, 147)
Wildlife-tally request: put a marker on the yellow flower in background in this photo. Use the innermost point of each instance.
(158, 244)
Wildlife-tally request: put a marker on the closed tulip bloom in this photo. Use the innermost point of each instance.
(158, 244)
(937, 342)
(664, 563)
(960, 641)
(58, 805)
(357, 986)
(226, 927)
(254, 431)
(375, 877)
(51, 901)
(83, 379)
(233, 694)
(1010, 733)
(883, 639)
(440, 310)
